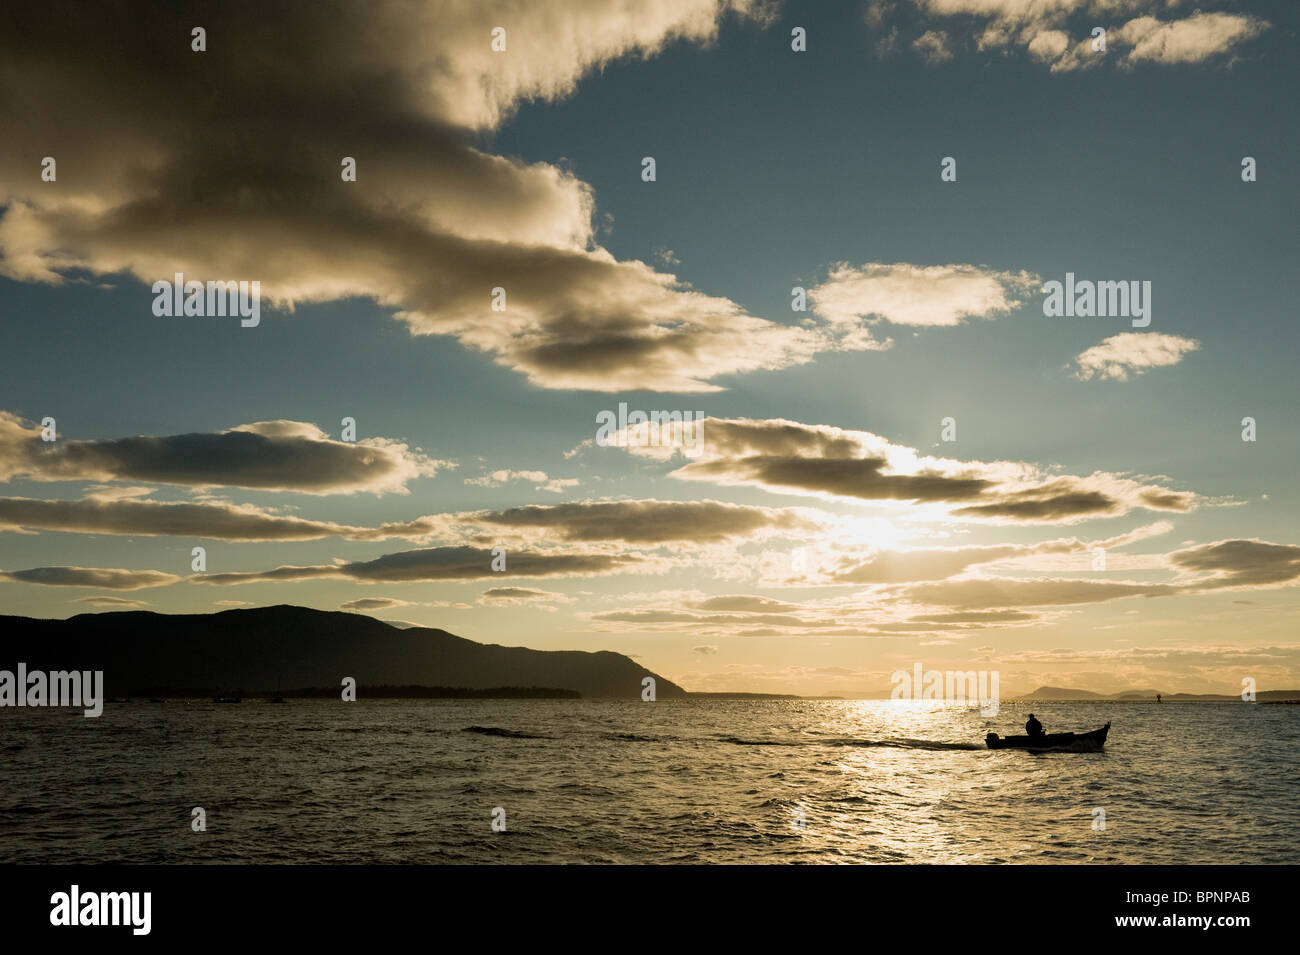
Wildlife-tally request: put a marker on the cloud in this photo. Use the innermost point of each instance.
(948, 608)
(373, 603)
(446, 563)
(500, 477)
(1059, 32)
(107, 578)
(1192, 40)
(518, 596)
(246, 140)
(985, 593)
(745, 603)
(114, 492)
(1047, 46)
(679, 524)
(791, 457)
(433, 223)
(977, 616)
(1239, 564)
(1132, 353)
(707, 650)
(106, 601)
(649, 521)
(934, 46)
(266, 455)
(1228, 564)
(212, 520)
(854, 297)
(743, 615)
(937, 563)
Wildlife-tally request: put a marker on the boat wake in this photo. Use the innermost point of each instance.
(895, 743)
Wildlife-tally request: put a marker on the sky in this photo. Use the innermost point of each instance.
(840, 260)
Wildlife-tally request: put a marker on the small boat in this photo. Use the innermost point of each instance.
(227, 699)
(1067, 742)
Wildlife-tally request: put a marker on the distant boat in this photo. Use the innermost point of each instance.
(227, 699)
(277, 699)
(1068, 742)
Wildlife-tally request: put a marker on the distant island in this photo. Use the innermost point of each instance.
(258, 651)
(1057, 694)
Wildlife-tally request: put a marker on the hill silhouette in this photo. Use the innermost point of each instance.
(265, 648)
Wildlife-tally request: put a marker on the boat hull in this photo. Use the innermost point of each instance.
(1063, 742)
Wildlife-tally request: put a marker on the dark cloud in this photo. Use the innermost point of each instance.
(515, 593)
(444, 563)
(1239, 563)
(268, 455)
(159, 518)
(980, 593)
(640, 522)
(859, 477)
(373, 603)
(1052, 503)
(651, 522)
(107, 578)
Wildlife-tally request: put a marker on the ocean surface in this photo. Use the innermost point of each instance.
(695, 781)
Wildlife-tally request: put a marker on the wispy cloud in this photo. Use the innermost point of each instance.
(1132, 353)
(1059, 33)
(540, 478)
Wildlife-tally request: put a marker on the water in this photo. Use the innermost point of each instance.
(632, 782)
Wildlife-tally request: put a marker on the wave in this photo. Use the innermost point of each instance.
(498, 731)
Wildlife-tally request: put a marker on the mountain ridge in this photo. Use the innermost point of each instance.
(263, 648)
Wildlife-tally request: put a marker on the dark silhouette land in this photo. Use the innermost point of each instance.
(146, 654)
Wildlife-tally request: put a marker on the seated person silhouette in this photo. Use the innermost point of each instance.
(1033, 727)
